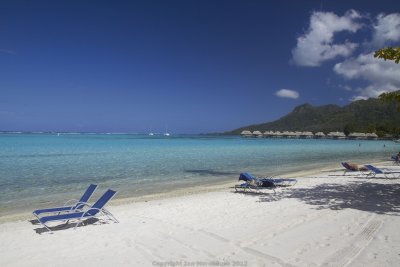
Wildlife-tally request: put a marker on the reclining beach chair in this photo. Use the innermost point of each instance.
(97, 209)
(352, 167)
(70, 205)
(253, 183)
(395, 160)
(386, 172)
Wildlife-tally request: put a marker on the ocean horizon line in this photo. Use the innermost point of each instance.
(116, 133)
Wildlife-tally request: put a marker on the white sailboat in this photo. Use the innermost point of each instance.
(166, 131)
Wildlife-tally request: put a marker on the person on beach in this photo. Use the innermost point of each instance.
(356, 167)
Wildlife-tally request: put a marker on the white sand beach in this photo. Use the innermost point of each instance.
(324, 220)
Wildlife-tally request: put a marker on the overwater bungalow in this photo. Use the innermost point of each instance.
(246, 133)
(371, 136)
(336, 135)
(319, 135)
(278, 134)
(363, 136)
(293, 134)
(286, 134)
(356, 135)
(307, 135)
(257, 134)
(268, 134)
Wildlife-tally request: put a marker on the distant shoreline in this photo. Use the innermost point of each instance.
(197, 134)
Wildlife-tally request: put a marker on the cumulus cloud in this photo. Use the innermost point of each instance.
(386, 29)
(382, 76)
(373, 90)
(287, 93)
(317, 45)
(366, 67)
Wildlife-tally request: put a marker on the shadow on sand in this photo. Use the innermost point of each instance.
(208, 172)
(363, 195)
(64, 226)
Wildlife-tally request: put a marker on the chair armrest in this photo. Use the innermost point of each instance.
(71, 201)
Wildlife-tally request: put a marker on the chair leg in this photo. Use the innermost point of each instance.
(108, 214)
(77, 223)
(48, 228)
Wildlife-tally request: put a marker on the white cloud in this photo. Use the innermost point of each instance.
(383, 76)
(287, 93)
(366, 67)
(317, 45)
(386, 29)
(373, 90)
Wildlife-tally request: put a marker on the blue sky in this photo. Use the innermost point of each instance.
(192, 66)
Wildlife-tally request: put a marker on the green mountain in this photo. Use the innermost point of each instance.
(370, 115)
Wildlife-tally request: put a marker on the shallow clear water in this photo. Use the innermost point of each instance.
(37, 169)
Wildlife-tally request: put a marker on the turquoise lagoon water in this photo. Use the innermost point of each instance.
(38, 170)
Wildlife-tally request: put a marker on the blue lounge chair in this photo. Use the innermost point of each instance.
(253, 183)
(395, 160)
(386, 172)
(97, 209)
(70, 205)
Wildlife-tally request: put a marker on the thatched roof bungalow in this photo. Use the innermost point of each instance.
(307, 135)
(293, 134)
(286, 134)
(257, 134)
(268, 133)
(297, 134)
(278, 134)
(319, 135)
(336, 135)
(246, 133)
(372, 136)
(356, 135)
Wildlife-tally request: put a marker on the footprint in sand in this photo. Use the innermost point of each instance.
(300, 251)
(324, 245)
(128, 242)
(348, 234)
(327, 237)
